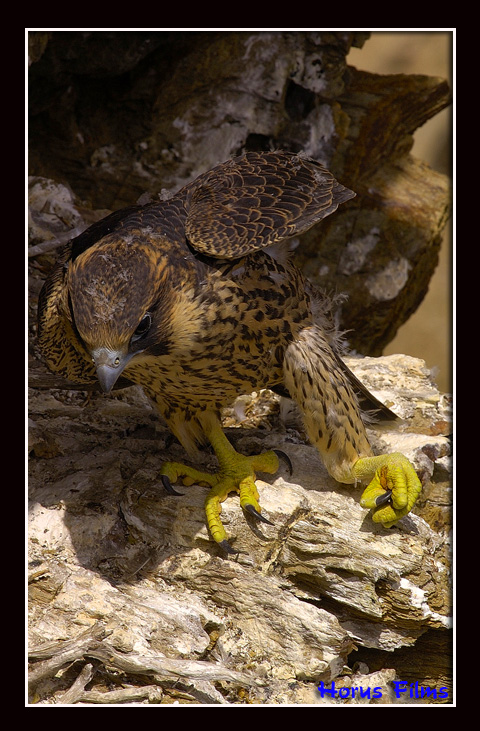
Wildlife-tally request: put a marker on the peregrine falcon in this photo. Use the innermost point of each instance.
(188, 298)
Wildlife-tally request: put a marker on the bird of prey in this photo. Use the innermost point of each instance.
(189, 298)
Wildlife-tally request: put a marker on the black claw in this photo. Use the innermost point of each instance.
(225, 545)
(168, 486)
(253, 511)
(383, 499)
(286, 459)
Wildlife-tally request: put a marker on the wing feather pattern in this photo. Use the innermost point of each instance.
(257, 200)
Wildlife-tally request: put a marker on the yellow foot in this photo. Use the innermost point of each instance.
(394, 489)
(237, 473)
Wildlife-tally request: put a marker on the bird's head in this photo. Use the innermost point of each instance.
(118, 304)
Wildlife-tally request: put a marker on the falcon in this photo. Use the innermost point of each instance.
(191, 299)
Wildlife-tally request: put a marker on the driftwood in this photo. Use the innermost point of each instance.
(108, 545)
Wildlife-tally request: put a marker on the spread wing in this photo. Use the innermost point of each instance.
(259, 199)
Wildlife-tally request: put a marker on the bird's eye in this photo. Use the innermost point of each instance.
(143, 327)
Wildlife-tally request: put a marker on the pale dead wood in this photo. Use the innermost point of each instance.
(133, 694)
(59, 654)
(168, 669)
(76, 691)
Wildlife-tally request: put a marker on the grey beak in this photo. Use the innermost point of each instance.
(110, 365)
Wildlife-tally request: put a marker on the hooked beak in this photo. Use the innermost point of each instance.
(110, 365)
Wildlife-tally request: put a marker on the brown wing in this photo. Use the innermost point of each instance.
(60, 347)
(259, 199)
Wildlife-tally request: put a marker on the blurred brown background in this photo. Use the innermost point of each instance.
(427, 334)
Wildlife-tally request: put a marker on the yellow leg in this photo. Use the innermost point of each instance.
(236, 473)
(394, 489)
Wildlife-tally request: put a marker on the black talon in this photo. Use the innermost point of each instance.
(168, 486)
(286, 459)
(250, 509)
(383, 499)
(227, 548)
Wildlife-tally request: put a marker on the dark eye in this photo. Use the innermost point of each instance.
(143, 327)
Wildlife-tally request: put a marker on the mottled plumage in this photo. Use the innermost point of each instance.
(184, 298)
